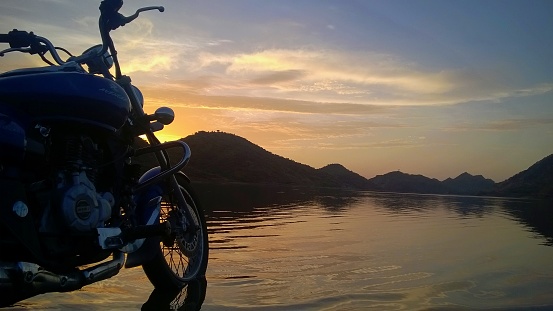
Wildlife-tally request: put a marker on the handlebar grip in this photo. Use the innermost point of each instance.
(18, 38)
(4, 38)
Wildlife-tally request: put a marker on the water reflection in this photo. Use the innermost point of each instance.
(242, 199)
(294, 248)
(189, 298)
(240, 209)
(536, 215)
(237, 206)
(291, 248)
(462, 206)
(338, 202)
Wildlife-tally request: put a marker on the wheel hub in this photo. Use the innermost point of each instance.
(185, 234)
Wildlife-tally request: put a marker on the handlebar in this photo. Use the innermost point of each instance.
(4, 38)
(18, 38)
(110, 19)
(130, 18)
(28, 42)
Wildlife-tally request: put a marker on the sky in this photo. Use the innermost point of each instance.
(431, 87)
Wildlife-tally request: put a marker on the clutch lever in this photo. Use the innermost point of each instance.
(130, 18)
(110, 13)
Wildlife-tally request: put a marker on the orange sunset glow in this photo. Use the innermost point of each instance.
(436, 88)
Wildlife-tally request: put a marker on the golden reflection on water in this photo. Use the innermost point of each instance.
(296, 250)
(381, 252)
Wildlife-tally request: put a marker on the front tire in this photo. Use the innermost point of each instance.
(183, 257)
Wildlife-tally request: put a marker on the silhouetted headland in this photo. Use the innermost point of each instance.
(223, 157)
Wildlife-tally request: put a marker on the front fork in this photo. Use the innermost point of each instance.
(188, 224)
(177, 225)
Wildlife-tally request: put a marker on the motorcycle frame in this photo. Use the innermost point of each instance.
(36, 280)
(139, 122)
(110, 19)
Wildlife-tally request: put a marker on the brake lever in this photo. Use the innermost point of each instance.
(35, 48)
(24, 50)
(130, 18)
(116, 19)
(111, 19)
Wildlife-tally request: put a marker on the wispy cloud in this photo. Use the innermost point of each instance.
(502, 125)
(364, 69)
(352, 77)
(278, 77)
(337, 143)
(185, 94)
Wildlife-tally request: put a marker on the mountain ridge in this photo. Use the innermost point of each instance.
(536, 181)
(224, 157)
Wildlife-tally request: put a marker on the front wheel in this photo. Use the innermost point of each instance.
(184, 256)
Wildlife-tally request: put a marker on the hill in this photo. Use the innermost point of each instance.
(407, 183)
(469, 184)
(224, 157)
(347, 177)
(536, 181)
(227, 157)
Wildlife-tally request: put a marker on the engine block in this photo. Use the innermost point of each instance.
(82, 207)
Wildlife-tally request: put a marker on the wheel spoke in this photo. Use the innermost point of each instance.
(185, 258)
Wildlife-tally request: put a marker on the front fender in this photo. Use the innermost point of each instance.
(147, 204)
(145, 196)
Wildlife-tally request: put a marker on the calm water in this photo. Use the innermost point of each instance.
(295, 249)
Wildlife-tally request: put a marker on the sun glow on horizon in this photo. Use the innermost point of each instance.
(356, 83)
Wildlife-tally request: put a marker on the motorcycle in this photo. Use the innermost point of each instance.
(76, 207)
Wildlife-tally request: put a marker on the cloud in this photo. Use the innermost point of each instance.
(335, 143)
(352, 77)
(144, 48)
(141, 50)
(364, 69)
(87, 22)
(278, 77)
(503, 125)
(184, 94)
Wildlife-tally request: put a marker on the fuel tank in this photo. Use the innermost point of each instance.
(68, 97)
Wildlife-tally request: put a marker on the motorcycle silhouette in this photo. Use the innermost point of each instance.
(75, 206)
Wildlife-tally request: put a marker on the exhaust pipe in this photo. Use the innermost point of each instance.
(22, 280)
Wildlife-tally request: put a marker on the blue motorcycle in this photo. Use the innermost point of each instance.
(76, 206)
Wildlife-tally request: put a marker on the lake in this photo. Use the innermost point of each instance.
(304, 249)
